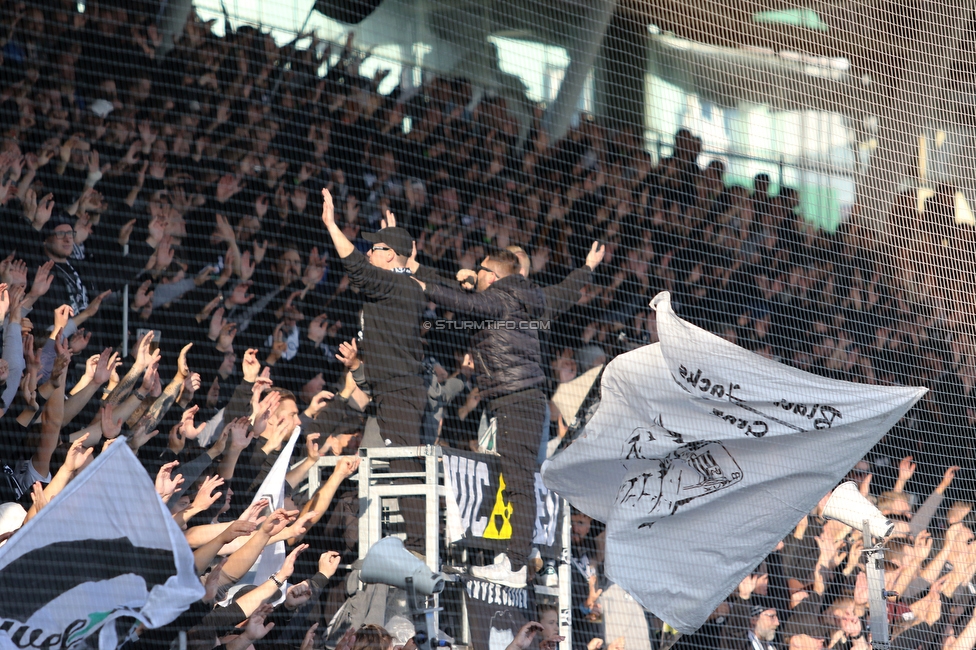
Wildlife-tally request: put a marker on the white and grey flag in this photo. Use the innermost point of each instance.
(105, 547)
(702, 456)
(273, 488)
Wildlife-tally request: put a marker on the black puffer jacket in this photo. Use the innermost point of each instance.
(507, 347)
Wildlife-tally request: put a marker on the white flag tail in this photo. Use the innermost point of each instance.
(702, 456)
(273, 488)
(106, 547)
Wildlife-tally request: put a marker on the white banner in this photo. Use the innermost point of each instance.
(702, 456)
(106, 547)
(273, 488)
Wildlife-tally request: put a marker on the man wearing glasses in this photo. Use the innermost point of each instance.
(509, 360)
(390, 345)
(69, 285)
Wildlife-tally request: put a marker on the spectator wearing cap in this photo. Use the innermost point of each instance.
(763, 624)
(72, 285)
(390, 344)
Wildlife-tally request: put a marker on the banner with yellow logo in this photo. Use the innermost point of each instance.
(480, 513)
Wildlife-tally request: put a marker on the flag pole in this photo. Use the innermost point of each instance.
(877, 595)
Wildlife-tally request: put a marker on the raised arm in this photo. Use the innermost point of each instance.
(476, 304)
(107, 361)
(342, 244)
(159, 408)
(300, 472)
(144, 358)
(204, 555)
(561, 297)
(241, 560)
(75, 460)
(13, 352)
(923, 517)
(319, 503)
(52, 417)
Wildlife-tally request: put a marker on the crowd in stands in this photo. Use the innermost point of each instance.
(195, 179)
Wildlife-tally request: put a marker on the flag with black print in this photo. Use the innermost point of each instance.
(702, 456)
(106, 547)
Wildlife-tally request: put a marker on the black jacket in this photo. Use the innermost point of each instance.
(393, 308)
(507, 344)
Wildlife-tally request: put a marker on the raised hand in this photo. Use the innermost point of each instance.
(312, 449)
(946, 481)
(317, 329)
(140, 436)
(145, 356)
(308, 643)
(240, 296)
(183, 369)
(191, 384)
(176, 441)
(206, 496)
(288, 567)
(277, 521)
(346, 466)
(318, 403)
(238, 435)
(213, 581)
(297, 595)
(77, 456)
(349, 354)
(595, 256)
(523, 640)
(62, 315)
(329, 563)
(78, 341)
(328, 209)
(906, 468)
(239, 528)
(251, 366)
(166, 485)
(61, 361)
(187, 427)
(45, 207)
(143, 295)
(748, 585)
(256, 628)
(42, 280)
(37, 496)
(94, 305)
(111, 427)
(247, 266)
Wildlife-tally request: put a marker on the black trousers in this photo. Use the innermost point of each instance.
(520, 421)
(399, 415)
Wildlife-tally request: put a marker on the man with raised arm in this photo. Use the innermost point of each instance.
(508, 357)
(390, 344)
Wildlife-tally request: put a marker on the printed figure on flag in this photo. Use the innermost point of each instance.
(691, 471)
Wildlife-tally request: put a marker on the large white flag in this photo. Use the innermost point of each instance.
(106, 547)
(702, 456)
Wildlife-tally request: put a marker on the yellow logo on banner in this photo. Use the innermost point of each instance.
(502, 511)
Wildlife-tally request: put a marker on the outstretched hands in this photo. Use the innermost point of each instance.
(166, 484)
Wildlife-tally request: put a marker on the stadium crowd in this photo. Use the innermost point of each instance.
(196, 179)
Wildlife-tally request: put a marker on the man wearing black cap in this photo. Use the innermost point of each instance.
(761, 635)
(70, 285)
(390, 344)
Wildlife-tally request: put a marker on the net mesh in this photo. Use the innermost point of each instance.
(797, 178)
